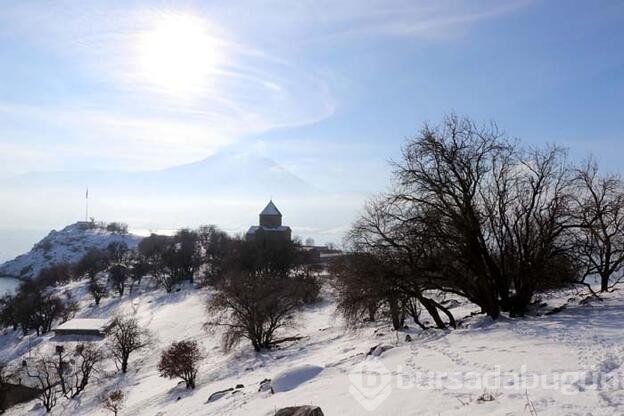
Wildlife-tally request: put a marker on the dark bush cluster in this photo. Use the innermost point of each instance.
(34, 307)
(261, 291)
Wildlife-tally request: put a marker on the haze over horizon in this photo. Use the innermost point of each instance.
(326, 90)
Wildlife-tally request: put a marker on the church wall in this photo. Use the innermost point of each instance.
(271, 221)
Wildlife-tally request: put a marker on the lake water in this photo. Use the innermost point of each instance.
(8, 285)
(16, 241)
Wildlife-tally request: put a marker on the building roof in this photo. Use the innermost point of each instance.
(271, 209)
(84, 324)
(254, 228)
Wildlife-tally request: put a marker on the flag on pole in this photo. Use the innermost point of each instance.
(87, 194)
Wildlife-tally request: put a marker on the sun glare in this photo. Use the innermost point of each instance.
(179, 54)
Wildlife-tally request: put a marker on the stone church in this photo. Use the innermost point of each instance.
(270, 228)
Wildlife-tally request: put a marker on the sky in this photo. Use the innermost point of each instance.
(328, 89)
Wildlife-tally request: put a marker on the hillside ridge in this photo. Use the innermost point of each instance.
(65, 246)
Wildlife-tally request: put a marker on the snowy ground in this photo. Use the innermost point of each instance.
(571, 344)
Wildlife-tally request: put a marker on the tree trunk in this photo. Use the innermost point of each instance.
(604, 282)
(429, 304)
(395, 314)
(371, 312)
(448, 313)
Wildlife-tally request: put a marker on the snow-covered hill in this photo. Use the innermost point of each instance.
(65, 246)
(567, 350)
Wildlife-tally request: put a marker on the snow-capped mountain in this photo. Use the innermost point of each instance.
(220, 174)
(65, 246)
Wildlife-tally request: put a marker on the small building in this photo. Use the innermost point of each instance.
(320, 256)
(270, 228)
(91, 327)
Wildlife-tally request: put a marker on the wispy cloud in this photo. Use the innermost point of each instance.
(253, 76)
(310, 20)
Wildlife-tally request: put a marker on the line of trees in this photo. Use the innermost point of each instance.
(35, 307)
(472, 213)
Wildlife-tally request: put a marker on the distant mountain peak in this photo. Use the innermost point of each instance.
(224, 173)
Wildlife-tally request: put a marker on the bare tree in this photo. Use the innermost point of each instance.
(441, 178)
(216, 246)
(45, 374)
(114, 401)
(599, 212)
(185, 256)
(93, 262)
(181, 360)
(253, 306)
(118, 274)
(472, 214)
(138, 270)
(125, 336)
(364, 287)
(97, 289)
(35, 307)
(62, 367)
(7, 379)
(70, 310)
(118, 252)
(528, 212)
(87, 359)
(56, 274)
(156, 251)
(398, 259)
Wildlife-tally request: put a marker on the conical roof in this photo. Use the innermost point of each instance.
(271, 209)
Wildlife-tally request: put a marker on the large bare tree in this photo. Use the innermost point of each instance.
(599, 212)
(474, 214)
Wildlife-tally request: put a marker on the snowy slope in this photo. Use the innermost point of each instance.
(65, 246)
(315, 370)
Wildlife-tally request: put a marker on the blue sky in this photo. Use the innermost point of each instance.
(329, 89)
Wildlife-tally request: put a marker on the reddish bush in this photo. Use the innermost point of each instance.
(181, 360)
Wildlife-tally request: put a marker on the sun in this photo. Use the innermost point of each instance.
(179, 54)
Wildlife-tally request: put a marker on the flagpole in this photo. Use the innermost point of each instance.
(87, 206)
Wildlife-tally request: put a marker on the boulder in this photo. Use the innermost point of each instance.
(379, 349)
(265, 385)
(300, 411)
(219, 394)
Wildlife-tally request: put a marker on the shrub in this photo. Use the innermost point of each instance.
(180, 361)
(117, 228)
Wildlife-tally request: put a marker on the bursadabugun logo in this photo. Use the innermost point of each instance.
(370, 384)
